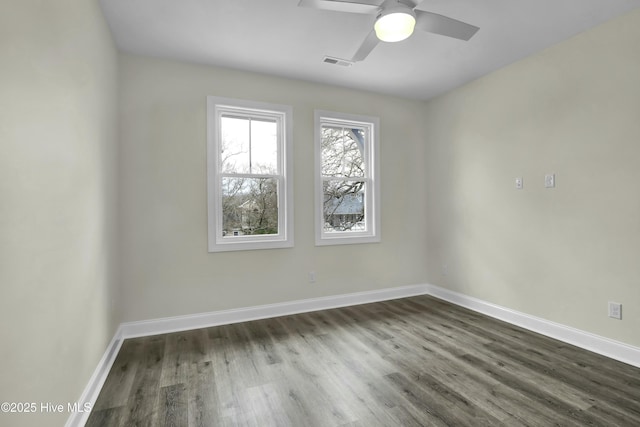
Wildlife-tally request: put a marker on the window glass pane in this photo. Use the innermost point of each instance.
(249, 145)
(343, 206)
(264, 147)
(342, 151)
(249, 206)
(234, 149)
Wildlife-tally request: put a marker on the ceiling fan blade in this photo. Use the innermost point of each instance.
(366, 47)
(342, 6)
(439, 24)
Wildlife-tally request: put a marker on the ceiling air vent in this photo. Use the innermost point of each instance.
(337, 61)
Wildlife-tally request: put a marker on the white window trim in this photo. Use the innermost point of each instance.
(284, 238)
(372, 193)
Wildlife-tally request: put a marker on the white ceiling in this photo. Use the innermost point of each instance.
(277, 37)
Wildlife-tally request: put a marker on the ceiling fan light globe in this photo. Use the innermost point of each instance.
(395, 26)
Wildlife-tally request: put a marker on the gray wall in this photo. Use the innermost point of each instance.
(166, 269)
(562, 253)
(58, 167)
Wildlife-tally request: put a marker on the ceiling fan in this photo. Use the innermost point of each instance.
(395, 21)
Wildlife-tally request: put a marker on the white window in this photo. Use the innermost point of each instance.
(250, 197)
(347, 193)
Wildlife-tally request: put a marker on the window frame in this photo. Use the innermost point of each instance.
(283, 114)
(371, 179)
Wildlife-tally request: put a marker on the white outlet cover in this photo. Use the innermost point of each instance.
(519, 183)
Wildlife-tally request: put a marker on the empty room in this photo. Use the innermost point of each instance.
(320, 213)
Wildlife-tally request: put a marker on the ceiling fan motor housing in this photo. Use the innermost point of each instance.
(395, 23)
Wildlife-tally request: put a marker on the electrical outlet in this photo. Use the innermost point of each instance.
(519, 183)
(312, 277)
(615, 310)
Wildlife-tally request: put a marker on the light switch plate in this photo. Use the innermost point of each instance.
(615, 310)
(550, 180)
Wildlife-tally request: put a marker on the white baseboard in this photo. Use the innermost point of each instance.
(597, 344)
(92, 390)
(588, 341)
(225, 317)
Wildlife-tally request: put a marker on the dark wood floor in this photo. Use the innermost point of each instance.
(410, 362)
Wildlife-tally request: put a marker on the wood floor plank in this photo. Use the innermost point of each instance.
(172, 410)
(110, 417)
(227, 359)
(142, 405)
(546, 399)
(181, 350)
(415, 361)
(304, 367)
(545, 369)
(514, 366)
(202, 400)
(434, 410)
(365, 381)
(359, 350)
(262, 342)
(267, 408)
(339, 375)
(553, 363)
(581, 390)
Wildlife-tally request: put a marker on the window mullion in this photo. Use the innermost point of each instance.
(248, 175)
